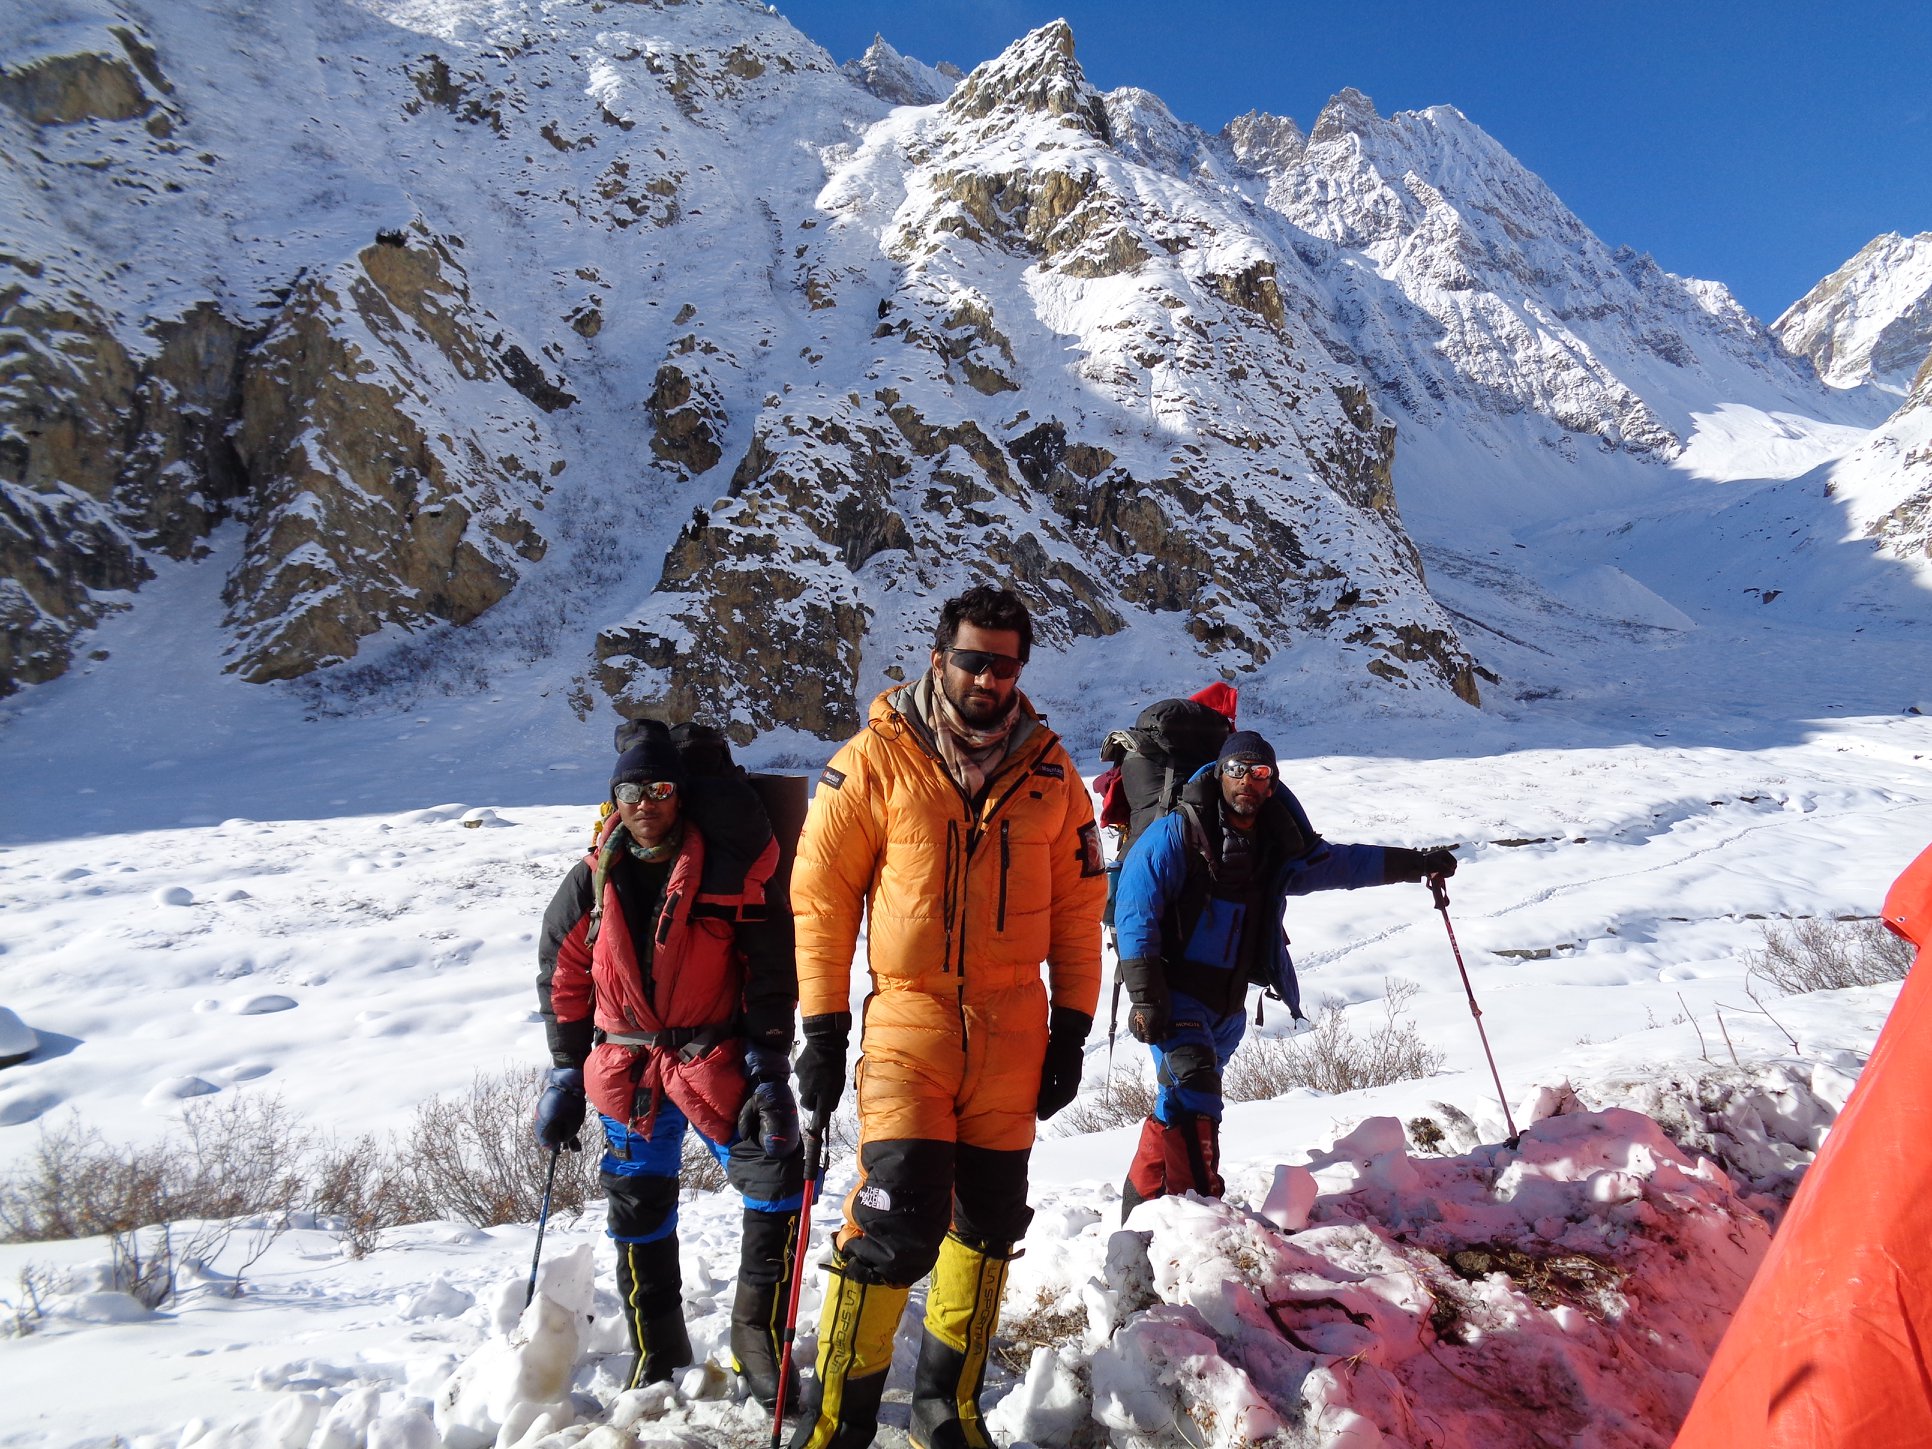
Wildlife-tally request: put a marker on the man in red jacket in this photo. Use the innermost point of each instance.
(667, 997)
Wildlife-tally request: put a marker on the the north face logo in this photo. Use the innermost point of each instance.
(875, 1197)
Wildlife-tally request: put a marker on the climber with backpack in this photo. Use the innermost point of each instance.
(667, 987)
(1199, 919)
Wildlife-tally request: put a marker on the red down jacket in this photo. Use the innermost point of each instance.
(707, 958)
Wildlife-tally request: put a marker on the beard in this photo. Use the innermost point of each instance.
(976, 709)
(1243, 806)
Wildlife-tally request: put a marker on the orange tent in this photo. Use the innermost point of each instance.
(1832, 1345)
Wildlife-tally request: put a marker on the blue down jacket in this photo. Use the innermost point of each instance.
(1175, 924)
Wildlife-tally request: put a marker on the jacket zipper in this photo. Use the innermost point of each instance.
(1006, 864)
(952, 891)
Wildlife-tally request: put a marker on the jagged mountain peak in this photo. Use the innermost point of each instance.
(1870, 321)
(1037, 74)
(1265, 144)
(898, 78)
(1348, 112)
(1144, 130)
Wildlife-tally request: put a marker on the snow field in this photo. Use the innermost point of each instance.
(359, 965)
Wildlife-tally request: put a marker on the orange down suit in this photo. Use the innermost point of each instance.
(962, 903)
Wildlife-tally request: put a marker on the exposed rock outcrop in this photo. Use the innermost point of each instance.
(1886, 484)
(1871, 320)
(377, 500)
(900, 80)
(105, 453)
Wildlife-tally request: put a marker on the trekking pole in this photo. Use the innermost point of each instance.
(1439, 888)
(814, 1165)
(543, 1217)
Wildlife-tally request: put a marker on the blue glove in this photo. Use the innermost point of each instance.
(770, 1113)
(560, 1110)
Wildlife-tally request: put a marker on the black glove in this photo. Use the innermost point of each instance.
(1402, 864)
(560, 1110)
(1060, 1071)
(770, 1113)
(821, 1065)
(1145, 978)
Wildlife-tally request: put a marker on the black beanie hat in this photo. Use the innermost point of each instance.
(652, 757)
(1247, 745)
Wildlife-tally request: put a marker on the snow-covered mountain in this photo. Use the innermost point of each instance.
(1886, 484)
(1473, 296)
(1871, 320)
(649, 341)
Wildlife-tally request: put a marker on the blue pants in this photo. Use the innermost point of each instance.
(1189, 1060)
(640, 1175)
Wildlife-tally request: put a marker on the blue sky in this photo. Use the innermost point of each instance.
(1756, 144)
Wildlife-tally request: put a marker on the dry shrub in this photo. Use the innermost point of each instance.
(698, 1170)
(474, 1156)
(231, 1158)
(1816, 954)
(362, 1190)
(1331, 1058)
(232, 1167)
(1127, 1097)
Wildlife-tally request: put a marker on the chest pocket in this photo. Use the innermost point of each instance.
(1216, 938)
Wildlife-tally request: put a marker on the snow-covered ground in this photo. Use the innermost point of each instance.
(207, 892)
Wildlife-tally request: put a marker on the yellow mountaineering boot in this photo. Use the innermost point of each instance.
(962, 1310)
(854, 1352)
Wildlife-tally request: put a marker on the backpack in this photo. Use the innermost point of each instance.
(1170, 740)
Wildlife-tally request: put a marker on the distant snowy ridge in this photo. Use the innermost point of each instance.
(900, 79)
(1871, 320)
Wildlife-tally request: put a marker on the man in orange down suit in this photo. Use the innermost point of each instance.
(956, 824)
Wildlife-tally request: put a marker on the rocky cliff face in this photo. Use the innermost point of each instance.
(1871, 320)
(376, 499)
(354, 422)
(1200, 458)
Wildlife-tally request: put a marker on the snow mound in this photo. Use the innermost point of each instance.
(18, 1041)
(515, 1380)
(1486, 1298)
(1608, 590)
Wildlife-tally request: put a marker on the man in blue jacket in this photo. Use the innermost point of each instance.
(1199, 917)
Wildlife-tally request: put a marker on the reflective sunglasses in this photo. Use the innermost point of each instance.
(978, 661)
(631, 794)
(1242, 769)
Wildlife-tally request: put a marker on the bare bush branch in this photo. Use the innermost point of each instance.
(1126, 1099)
(1331, 1058)
(473, 1156)
(1816, 954)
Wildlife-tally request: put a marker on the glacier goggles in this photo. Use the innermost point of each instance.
(980, 661)
(1242, 769)
(631, 792)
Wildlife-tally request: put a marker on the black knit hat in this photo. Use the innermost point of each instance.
(1247, 745)
(652, 756)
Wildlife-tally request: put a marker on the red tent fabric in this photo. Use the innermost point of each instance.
(1832, 1345)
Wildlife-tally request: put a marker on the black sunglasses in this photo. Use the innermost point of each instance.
(979, 661)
